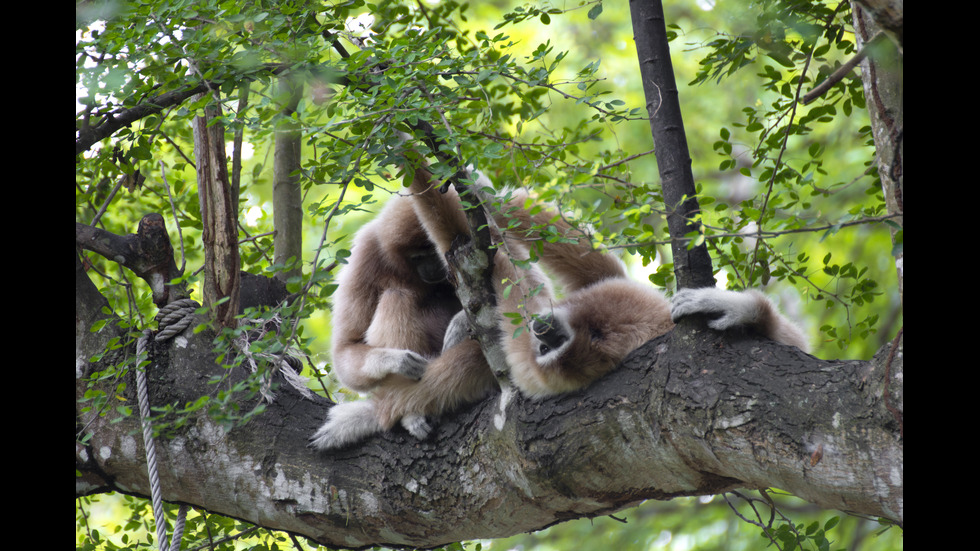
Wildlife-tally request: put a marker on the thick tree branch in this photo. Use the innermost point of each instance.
(147, 253)
(687, 414)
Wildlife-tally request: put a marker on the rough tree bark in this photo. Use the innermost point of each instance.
(690, 413)
(884, 91)
(222, 263)
(687, 414)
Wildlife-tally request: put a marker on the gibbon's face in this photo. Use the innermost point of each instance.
(594, 329)
(428, 265)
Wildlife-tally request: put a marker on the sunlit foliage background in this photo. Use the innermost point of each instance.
(544, 95)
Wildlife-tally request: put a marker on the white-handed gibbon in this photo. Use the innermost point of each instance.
(569, 342)
(391, 308)
(392, 303)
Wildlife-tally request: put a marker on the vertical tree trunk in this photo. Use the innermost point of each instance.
(222, 264)
(882, 74)
(692, 265)
(287, 198)
(236, 158)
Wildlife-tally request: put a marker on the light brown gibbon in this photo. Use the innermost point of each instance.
(391, 308)
(568, 342)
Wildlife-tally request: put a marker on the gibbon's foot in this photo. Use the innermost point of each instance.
(457, 332)
(730, 308)
(346, 424)
(417, 426)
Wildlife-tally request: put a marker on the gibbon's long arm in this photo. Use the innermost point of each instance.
(734, 309)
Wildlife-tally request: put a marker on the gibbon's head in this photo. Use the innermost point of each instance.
(404, 243)
(592, 331)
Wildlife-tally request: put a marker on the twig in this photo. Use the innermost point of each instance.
(843, 71)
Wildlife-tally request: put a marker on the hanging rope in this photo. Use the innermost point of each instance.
(172, 319)
(148, 445)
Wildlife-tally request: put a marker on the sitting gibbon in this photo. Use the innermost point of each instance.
(568, 342)
(391, 309)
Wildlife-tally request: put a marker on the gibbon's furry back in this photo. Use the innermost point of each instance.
(392, 304)
(567, 343)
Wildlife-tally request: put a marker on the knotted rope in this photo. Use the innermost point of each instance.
(172, 319)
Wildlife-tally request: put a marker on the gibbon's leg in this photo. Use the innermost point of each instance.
(417, 425)
(346, 424)
(739, 309)
(571, 258)
(457, 377)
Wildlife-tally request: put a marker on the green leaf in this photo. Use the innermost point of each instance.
(595, 11)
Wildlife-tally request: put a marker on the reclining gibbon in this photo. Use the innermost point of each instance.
(570, 342)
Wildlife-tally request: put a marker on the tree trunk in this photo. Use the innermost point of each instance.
(687, 414)
(888, 15)
(220, 232)
(884, 89)
(692, 265)
(287, 195)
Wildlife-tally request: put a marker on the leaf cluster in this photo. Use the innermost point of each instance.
(792, 45)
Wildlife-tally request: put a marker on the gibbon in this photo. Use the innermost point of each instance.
(567, 343)
(392, 304)
(391, 310)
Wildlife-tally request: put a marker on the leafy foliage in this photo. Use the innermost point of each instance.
(787, 191)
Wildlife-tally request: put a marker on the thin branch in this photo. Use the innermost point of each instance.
(112, 122)
(844, 70)
(789, 128)
(760, 234)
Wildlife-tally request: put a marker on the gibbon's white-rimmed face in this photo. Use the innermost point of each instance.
(551, 335)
